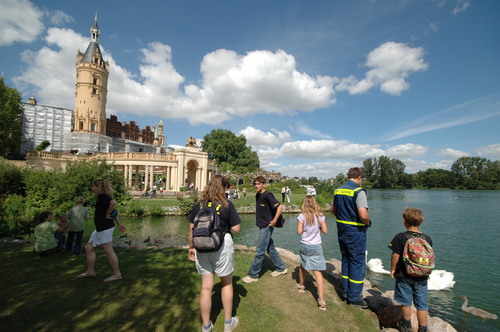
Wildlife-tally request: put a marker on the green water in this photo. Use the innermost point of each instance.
(462, 224)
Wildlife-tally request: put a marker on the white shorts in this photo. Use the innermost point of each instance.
(98, 238)
(221, 261)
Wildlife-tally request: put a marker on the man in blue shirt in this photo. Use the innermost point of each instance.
(350, 206)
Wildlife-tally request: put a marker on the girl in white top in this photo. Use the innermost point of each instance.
(311, 223)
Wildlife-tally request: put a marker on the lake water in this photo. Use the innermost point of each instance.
(462, 224)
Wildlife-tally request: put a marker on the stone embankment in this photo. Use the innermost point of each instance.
(287, 208)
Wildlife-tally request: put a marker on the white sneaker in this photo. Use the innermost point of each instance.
(248, 279)
(210, 329)
(230, 327)
(277, 273)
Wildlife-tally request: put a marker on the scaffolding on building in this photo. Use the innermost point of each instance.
(45, 123)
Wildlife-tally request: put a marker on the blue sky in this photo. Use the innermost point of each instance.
(316, 87)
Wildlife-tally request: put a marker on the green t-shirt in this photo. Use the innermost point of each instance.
(76, 217)
(44, 233)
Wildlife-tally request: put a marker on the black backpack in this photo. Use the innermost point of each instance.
(208, 235)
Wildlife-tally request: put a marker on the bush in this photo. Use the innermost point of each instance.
(11, 179)
(157, 211)
(133, 209)
(186, 205)
(14, 206)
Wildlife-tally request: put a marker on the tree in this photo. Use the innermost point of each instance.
(435, 178)
(11, 179)
(42, 146)
(10, 126)
(475, 173)
(56, 190)
(230, 151)
(385, 173)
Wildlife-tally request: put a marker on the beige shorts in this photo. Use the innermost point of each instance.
(221, 262)
(98, 238)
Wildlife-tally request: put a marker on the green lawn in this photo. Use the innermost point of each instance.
(159, 292)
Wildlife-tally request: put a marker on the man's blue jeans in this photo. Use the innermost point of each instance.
(265, 244)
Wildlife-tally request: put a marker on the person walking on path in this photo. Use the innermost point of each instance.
(283, 194)
(220, 262)
(350, 206)
(103, 234)
(76, 217)
(268, 210)
(311, 223)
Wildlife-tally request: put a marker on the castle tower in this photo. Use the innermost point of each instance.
(91, 87)
(159, 139)
(32, 100)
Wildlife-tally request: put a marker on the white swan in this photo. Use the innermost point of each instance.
(375, 265)
(440, 280)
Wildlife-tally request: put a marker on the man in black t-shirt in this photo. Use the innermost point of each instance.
(268, 210)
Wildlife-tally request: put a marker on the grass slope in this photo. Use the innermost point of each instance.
(159, 292)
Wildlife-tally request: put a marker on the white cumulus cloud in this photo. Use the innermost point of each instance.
(20, 21)
(452, 153)
(406, 150)
(489, 151)
(391, 64)
(257, 137)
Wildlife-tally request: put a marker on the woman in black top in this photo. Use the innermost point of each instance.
(103, 234)
(220, 262)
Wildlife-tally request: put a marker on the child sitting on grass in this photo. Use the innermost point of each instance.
(311, 223)
(46, 242)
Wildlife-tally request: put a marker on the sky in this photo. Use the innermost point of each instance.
(316, 87)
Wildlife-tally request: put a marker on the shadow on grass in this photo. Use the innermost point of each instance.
(158, 292)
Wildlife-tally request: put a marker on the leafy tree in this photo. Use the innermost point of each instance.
(10, 126)
(230, 151)
(42, 146)
(56, 190)
(11, 179)
(476, 173)
(385, 173)
(435, 178)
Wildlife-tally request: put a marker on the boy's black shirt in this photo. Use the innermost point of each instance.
(397, 246)
(265, 203)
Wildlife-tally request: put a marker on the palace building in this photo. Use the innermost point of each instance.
(85, 133)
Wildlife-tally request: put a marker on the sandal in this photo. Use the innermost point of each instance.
(301, 288)
(85, 275)
(112, 278)
(321, 305)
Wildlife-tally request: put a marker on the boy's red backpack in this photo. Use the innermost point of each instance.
(418, 256)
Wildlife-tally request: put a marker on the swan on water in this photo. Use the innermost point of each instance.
(476, 311)
(440, 280)
(375, 265)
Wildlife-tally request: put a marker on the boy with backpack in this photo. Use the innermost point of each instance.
(412, 261)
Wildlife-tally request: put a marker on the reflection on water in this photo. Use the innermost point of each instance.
(153, 231)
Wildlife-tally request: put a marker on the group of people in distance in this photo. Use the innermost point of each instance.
(350, 208)
(49, 235)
